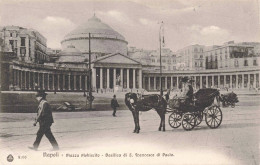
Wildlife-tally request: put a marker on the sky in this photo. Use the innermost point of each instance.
(186, 22)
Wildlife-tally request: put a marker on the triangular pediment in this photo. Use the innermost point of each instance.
(116, 58)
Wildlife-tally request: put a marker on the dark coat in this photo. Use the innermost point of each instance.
(114, 103)
(44, 115)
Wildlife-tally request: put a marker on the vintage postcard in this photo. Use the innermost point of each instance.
(126, 82)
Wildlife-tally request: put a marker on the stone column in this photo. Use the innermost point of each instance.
(74, 83)
(121, 76)
(101, 78)
(69, 88)
(63, 82)
(127, 78)
(94, 75)
(29, 81)
(53, 81)
(254, 82)
(80, 83)
(201, 82)
(171, 82)
(248, 81)
(140, 78)
(108, 84)
(25, 79)
(212, 80)
(43, 84)
(33, 78)
(58, 79)
(134, 79)
(114, 78)
(236, 81)
(86, 82)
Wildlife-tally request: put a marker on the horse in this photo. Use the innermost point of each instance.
(137, 103)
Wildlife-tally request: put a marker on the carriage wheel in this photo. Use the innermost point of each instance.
(175, 120)
(188, 121)
(214, 117)
(198, 118)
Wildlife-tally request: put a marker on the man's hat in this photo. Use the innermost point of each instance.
(41, 93)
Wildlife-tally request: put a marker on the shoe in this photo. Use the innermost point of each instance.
(114, 115)
(55, 149)
(32, 148)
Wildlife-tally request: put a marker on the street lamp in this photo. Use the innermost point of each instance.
(161, 91)
(90, 98)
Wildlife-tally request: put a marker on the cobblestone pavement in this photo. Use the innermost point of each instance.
(99, 138)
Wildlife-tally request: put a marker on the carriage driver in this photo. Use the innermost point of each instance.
(187, 90)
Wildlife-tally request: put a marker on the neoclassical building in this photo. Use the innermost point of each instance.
(114, 70)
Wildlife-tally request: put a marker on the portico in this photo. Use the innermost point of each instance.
(116, 72)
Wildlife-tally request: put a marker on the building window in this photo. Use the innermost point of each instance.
(245, 63)
(22, 41)
(22, 52)
(255, 63)
(236, 63)
(11, 34)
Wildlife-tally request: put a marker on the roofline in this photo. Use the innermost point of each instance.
(87, 38)
(110, 55)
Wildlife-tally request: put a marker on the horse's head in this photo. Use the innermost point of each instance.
(130, 100)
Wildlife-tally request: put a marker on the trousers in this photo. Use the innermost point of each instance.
(114, 112)
(45, 130)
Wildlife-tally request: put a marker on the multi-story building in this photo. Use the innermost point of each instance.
(231, 55)
(152, 58)
(27, 44)
(190, 58)
(53, 54)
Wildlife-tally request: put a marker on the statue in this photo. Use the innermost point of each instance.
(118, 79)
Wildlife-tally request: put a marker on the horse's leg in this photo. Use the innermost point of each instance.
(159, 113)
(163, 120)
(137, 122)
(133, 112)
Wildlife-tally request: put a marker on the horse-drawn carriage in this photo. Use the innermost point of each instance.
(229, 99)
(187, 115)
(190, 115)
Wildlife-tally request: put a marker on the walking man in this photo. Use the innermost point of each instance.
(45, 119)
(114, 105)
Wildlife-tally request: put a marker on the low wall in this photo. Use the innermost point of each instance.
(26, 102)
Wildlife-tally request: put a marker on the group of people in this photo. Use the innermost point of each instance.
(185, 93)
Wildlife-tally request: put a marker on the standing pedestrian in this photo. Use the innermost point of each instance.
(114, 105)
(45, 119)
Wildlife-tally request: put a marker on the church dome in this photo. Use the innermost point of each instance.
(104, 39)
(70, 55)
(96, 28)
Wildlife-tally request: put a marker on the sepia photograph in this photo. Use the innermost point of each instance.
(129, 82)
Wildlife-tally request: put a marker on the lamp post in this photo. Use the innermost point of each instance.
(161, 91)
(90, 76)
